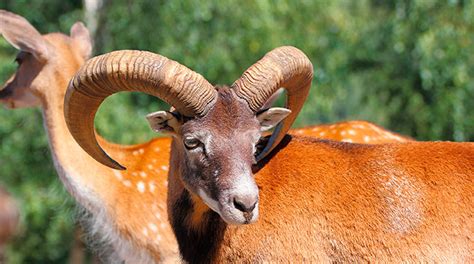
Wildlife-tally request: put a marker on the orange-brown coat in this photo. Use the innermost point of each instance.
(130, 205)
(320, 200)
(358, 203)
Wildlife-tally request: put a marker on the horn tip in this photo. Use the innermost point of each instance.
(108, 161)
(115, 165)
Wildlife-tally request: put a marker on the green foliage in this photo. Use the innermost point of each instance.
(26, 168)
(406, 65)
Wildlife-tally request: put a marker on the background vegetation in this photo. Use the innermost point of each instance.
(406, 65)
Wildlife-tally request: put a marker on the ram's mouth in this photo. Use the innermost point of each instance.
(233, 216)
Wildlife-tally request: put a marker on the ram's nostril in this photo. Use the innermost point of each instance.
(238, 205)
(245, 205)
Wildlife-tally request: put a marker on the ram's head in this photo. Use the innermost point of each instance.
(216, 129)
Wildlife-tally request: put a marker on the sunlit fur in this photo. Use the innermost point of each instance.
(357, 131)
(95, 187)
(136, 232)
(126, 210)
(326, 201)
(218, 171)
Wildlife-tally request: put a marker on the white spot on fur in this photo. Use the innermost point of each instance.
(322, 134)
(141, 151)
(100, 226)
(343, 133)
(142, 174)
(347, 140)
(149, 166)
(151, 186)
(157, 215)
(153, 227)
(402, 197)
(299, 132)
(166, 183)
(351, 132)
(127, 183)
(118, 175)
(164, 167)
(366, 138)
(134, 173)
(394, 137)
(145, 231)
(135, 153)
(375, 128)
(157, 149)
(141, 186)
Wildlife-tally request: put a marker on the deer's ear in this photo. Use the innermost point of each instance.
(271, 117)
(23, 36)
(164, 122)
(82, 38)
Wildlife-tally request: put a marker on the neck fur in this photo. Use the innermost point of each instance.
(198, 229)
(69, 158)
(88, 182)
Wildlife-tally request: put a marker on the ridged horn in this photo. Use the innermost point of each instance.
(286, 67)
(134, 71)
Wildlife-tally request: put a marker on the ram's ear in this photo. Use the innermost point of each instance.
(164, 122)
(271, 117)
(23, 36)
(82, 38)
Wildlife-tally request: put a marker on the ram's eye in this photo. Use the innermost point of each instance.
(191, 143)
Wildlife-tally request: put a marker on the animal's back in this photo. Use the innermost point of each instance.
(350, 202)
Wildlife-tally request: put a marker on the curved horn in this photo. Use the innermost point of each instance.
(286, 67)
(128, 70)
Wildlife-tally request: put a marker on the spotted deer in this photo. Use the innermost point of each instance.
(42, 82)
(318, 200)
(138, 232)
(354, 131)
(45, 64)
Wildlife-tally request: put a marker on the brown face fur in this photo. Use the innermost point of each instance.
(215, 153)
(218, 152)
